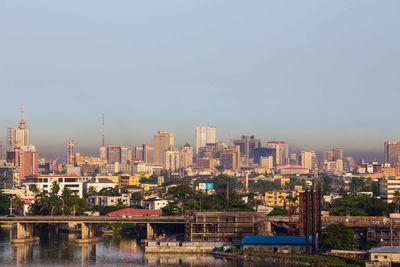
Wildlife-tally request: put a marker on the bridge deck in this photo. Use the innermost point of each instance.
(95, 219)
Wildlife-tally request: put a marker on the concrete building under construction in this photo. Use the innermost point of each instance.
(225, 226)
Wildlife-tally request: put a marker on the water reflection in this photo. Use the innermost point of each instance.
(61, 250)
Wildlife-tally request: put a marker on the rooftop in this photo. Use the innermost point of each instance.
(274, 240)
(385, 250)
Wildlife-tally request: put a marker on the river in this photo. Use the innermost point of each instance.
(61, 250)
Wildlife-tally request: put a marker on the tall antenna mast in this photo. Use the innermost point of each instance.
(103, 142)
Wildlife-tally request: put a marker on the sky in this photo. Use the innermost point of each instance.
(317, 73)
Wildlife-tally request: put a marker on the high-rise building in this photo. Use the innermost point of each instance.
(103, 153)
(205, 135)
(113, 154)
(230, 158)
(247, 145)
(267, 162)
(187, 156)
(334, 154)
(138, 151)
(282, 152)
(148, 154)
(18, 137)
(171, 159)
(163, 140)
(392, 153)
(126, 154)
(1, 150)
(70, 153)
(308, 159)
(27, 159)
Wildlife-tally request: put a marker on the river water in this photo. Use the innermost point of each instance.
(61, 250)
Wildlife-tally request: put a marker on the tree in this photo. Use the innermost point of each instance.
(278, 212)
(4, 204)
(17, 204)
(109, 191)
(338, 236)
(396, 201)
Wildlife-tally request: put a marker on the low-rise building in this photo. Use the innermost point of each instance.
(105, 201)
(98, 184)
(45, 183)
(388, 187)
(155, 203)
(275, 244)
(276, 198)
(385, 255)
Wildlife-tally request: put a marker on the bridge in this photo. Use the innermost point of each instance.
(25, 224)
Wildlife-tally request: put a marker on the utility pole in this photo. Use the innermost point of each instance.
(227, 194)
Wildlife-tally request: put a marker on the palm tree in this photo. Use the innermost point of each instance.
(396, 201)
(16, 204)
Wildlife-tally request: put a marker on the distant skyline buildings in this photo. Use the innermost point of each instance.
(205, 135)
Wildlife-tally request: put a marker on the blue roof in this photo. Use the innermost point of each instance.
(274, 240)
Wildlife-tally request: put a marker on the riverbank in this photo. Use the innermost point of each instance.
(292, 259)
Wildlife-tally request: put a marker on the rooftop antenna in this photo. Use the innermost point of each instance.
(103, 143)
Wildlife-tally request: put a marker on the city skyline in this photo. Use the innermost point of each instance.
(56, 151)
(297, 72)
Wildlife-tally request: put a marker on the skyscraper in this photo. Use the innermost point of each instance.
(26, 158)
(282, 152)
(163, 140)
(392, 153)
(205, 135)
(70, 153)
(18, 137)
(308, 159)
(148, 153)
(247, 145)
(171, 159)
(187, 156)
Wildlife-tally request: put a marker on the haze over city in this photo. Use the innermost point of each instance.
(271, 69)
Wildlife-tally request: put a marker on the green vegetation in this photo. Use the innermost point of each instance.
(4, 204)
(53, 203)
(359, 205)
(185, 198)
(338, 236)
(278, 211)
(321, 260)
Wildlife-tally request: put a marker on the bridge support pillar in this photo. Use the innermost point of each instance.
(150, 231)
(87, 233)
(24, 234)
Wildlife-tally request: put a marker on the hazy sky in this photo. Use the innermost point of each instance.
(314, 73)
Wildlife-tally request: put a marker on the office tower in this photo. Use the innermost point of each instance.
(349, 164)
(70, 153)
(1, 151)
(264, 152)
(187, 156)
(267, 162)
(308, 160)
(163, 140)
(171, 159)
(247, 145)
(334, 154)
(18, 137)
(230, 158)
(126, 154)
(282, 152)
(138, 151)
(338, 153)
(293, 159)
(205, 135)
(148, 153)
(392, 153)
(328, 155)
(113, 154)
(27, 159)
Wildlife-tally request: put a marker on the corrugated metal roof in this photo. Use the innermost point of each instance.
(385, 250)
(274, 240)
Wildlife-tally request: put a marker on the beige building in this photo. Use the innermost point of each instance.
(388, 186)
(385, 255)
(171, 160)
(163, 140)
(308, 160)
(187, 156)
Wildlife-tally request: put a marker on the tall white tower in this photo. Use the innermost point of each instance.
(205, 135)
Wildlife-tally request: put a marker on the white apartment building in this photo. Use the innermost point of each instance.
(388, 187)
